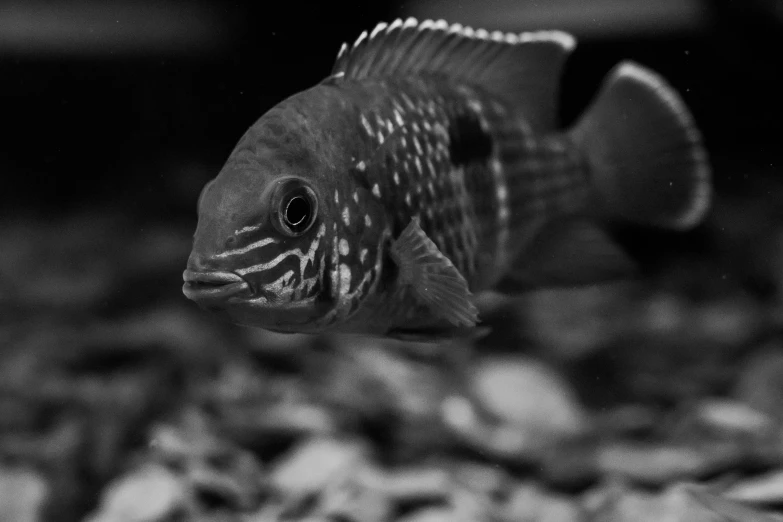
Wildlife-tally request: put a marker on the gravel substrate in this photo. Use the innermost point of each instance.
(120, 401)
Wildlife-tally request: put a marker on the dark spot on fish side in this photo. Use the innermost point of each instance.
(468, 142)
(479, 181)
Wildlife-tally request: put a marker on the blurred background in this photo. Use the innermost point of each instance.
(139, 103)
(114, 388)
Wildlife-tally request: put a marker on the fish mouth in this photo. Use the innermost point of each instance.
(212, 286)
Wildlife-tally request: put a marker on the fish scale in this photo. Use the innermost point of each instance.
(352, 271)
(439, 195)
(427, 167)
(553, 181)
(464, 202)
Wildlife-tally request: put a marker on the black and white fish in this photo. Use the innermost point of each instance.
(427, 167)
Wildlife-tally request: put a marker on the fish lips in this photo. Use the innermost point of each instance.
(212, 287)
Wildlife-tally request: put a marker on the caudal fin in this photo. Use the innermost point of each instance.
(645, 154)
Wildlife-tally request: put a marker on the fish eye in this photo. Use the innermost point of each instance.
(297, 210)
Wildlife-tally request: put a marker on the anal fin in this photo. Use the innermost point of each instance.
(432, 277)
(569, 253)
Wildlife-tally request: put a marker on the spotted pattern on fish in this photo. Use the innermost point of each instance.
(453, 158)
(424, 168)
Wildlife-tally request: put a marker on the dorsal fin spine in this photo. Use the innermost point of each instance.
(394, 25)
(372, 47)
(362, 37)
(394, 30)
(417, 39)
(378, 28)
(411, 22)
(521, 69)
(440, 24)
(341, 53)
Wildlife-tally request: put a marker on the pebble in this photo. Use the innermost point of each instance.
(760, 381)
(486, 479)
(149, 494)
(470, 505)
(526, 392)
(701, 504)
(530, 502)
(209, 463)
(311, 465)
(733, 416)
(355, 496)
(417, 484)
(765, 489)
(651, 463)
(23, 493)
(680, 503)
(573, 463)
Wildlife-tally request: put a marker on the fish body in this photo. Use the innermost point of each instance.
(426, 168)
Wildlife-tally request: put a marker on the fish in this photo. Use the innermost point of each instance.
(428, 167)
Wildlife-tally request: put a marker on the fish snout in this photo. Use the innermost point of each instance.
(205, 282)
(201, 263)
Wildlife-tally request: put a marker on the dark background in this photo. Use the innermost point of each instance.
(135, 105)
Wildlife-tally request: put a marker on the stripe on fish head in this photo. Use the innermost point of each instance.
(272, 239)
(293, 215)
(289, 272)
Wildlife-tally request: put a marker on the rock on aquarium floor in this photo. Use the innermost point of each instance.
(120, 401)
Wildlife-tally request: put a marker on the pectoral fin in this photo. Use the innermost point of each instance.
(432, 277)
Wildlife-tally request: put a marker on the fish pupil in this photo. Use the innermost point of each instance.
(296, 209)
(297, 212)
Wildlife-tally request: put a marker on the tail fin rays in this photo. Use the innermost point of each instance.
(644, 151)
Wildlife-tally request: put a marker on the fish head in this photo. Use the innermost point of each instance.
(272, 227)
(258, 264)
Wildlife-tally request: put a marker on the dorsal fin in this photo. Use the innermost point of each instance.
(522, 69)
